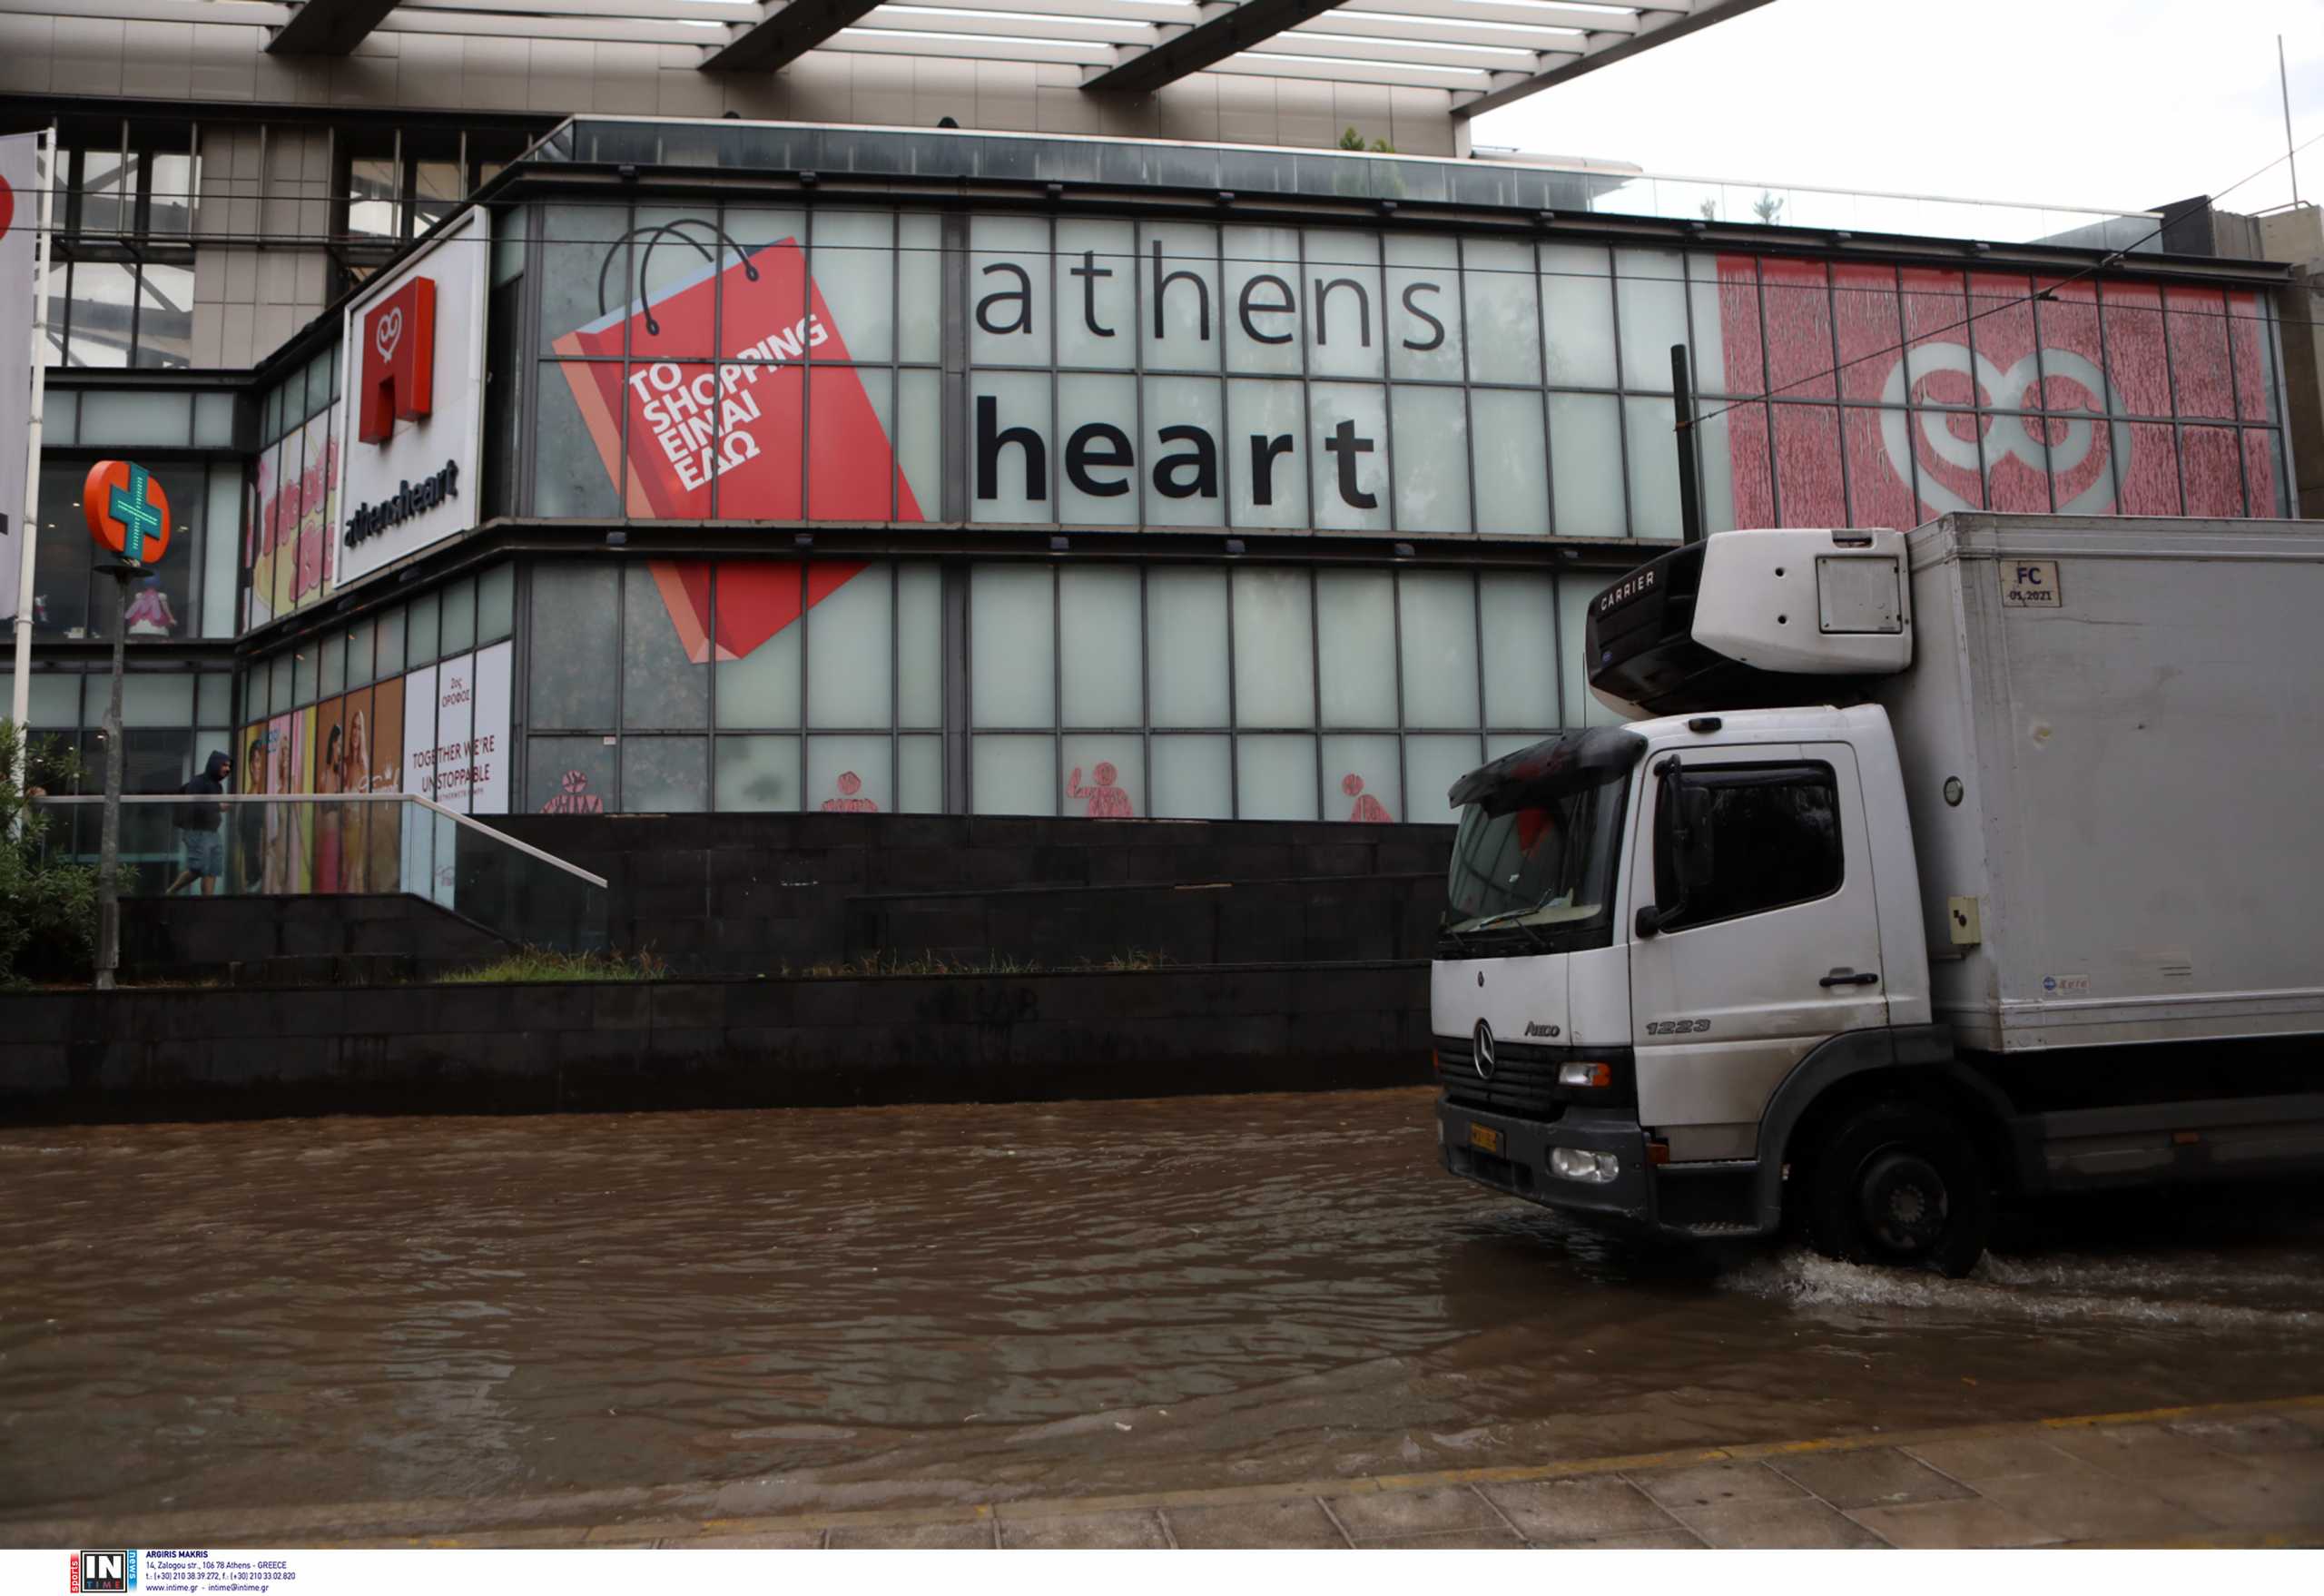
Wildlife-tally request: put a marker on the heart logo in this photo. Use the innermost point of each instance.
(2010, 437)
(387, 332)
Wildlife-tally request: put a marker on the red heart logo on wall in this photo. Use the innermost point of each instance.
(756, 599)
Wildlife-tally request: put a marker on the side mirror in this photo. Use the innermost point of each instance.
(1677, 811)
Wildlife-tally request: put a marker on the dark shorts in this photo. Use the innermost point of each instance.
(205, 852)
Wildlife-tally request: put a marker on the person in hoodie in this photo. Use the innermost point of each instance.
(200, 836)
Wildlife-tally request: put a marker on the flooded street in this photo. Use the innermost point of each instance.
(915, 1305)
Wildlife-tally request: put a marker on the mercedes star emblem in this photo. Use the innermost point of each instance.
(1484, 1050)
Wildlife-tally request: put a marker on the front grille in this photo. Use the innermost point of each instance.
(1525, 1079)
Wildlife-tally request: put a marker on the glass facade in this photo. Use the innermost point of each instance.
(289, 537)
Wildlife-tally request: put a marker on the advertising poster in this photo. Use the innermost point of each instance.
(737, 424)
(419, 731)
(488, 750)
(449, 769)
(410, 417)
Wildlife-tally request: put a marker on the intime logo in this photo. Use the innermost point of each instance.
(104, 1570)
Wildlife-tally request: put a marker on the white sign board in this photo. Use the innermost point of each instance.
(19, 223)
(411, 420)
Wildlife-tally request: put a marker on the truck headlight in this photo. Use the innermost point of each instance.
(1574, 1164)
(1583, 1073)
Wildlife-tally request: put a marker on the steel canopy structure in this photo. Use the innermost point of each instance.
(1482, 52)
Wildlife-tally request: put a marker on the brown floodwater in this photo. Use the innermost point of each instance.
(923, 1305)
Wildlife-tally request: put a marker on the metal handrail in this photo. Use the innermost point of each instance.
(180, 799)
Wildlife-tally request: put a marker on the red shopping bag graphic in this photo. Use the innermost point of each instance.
(756, 599)
(737, 426)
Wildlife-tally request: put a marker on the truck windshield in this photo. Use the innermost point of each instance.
(1540, 874)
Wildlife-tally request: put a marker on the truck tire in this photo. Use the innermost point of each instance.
(1901, 1185)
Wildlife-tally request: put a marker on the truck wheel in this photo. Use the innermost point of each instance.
(1901, 1185)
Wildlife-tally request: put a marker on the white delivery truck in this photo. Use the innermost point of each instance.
(1984, 860)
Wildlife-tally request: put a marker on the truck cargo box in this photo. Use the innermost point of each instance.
(2133, 711)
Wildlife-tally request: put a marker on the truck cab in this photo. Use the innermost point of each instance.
(1923, 867)
(1664, 938)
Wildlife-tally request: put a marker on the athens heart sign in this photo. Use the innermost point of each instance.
(410, 443)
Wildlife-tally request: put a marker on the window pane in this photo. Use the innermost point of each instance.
(921, 296)
(1513, 476)
(1356, 614)
(1097, 286)
(1364, 779)
(1424, 308)
(574, 636)
(572, 475)
(1586, 465)
(920, 640)
(1350, 467)
(1650, 290)
(568, 775)
(1267, 428)
(165, 317)
(1274, 661)
(1009, 463)
(103, 308)
(1440, 638)
(851, 667)
(1344, 307)
(663, 686)
(154, 701)
(1179, 331)
(1183, 486)
(855, 268)
(1098, 631)
(1192, 779)
(420, 630)
(920, 775)
(1504, 312)
(1098, 479)
(1433, 478)
(1577, 315)
(1654, 469)
(1185, 640)
(851, 776)
(1520, 650)
(919, 445)
(1011, 664)
(664, 776)
(1008, 290)
(759, 643)
(391, 630)
(1275, 778)
(215, 695)
(1765, 845)
(1574, 594)
(332, 649)
(1014, 775)
(1262, 318)
(495, 603)
(1434, 765)
(1105, 776)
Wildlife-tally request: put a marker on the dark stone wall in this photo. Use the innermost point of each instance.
(209, 938)
(749, 893)
(214, 1052)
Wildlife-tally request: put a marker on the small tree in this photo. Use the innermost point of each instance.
(1768, 208)
(1351, 140)
(48, 906)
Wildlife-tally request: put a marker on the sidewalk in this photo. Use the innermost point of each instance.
(2229, 1474)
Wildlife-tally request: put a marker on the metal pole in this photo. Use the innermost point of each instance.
(21, 696)
(2283, 85)
(1682, 412)
(109, 850)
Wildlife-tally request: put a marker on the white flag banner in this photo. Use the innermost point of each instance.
(19, 225)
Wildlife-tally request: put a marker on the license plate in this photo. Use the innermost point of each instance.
(1484, 1139)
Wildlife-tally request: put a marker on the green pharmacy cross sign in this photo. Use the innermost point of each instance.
(127, 511)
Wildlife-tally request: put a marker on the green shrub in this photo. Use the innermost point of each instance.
(48, 906)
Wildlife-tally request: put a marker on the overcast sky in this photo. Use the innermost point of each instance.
(2124, 103)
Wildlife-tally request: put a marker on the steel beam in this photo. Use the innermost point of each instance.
(1658, 25)
(328, 27)
(784, 32)
(1227, 32)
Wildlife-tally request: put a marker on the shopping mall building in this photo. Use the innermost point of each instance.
(1024, 406)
